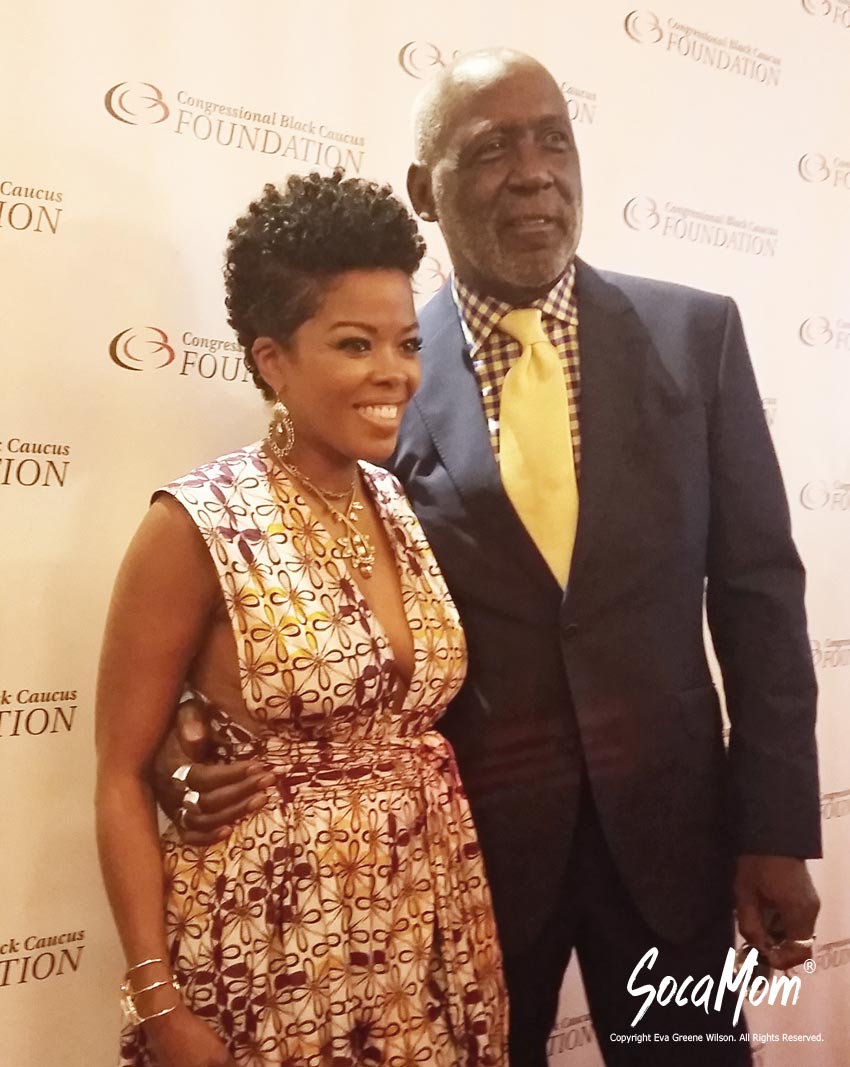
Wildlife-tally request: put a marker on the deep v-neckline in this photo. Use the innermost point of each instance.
(408, 597)
(388, 527)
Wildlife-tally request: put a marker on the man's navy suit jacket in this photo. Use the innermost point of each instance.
(681, 500)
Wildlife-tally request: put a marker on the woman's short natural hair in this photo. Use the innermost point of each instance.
(291, 243)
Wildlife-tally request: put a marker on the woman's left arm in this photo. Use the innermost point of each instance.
(163, 599)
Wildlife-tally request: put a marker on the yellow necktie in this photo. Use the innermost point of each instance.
(535, 443)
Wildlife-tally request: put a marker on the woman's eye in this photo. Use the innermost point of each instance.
(412, 344)
(354, 344)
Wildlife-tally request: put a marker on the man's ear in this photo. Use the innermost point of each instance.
(420, 192)
(270, 362)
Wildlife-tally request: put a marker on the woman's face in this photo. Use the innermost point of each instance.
(347, 373)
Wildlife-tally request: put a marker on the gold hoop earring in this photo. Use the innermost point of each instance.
(281, 431)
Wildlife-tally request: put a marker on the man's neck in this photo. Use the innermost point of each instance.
(516, 296)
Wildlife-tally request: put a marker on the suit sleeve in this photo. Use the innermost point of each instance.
(757, 619)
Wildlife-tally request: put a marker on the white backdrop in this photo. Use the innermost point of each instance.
(715, 141)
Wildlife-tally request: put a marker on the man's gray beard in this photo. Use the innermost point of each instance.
(483, 251)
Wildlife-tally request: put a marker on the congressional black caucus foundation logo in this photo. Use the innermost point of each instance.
(833, 954)
(722, 231)
(422, 59)
(824, 331)
(136, 103)
(38, 956)
(644, 27)
(822, 495)
(581, 104)
(836, 12)
(818, 169)
(36, 712)
(29, 207)
(28, 463)
(722, 53)
(831, 652)
(149, 348)
(570, 1034)
(143, 348)
(835, 805)
(261, 131)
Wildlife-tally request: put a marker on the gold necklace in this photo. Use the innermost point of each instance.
(323, 494)
(354, 546)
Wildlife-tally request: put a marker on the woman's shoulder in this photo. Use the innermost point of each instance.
(383, 481)
(220, 475)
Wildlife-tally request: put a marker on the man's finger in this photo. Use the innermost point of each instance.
(797, 918)
(198, 821)
(790, 954)
(194, 731)
(205, 777)
(751, 925)
(798, 925)
(227, 796)
(226, 792)
(796, 944)
(201, 840)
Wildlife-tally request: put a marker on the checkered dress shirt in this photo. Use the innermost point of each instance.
(493, 352)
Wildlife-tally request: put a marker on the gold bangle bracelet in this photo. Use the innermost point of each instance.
(158, 1014)
(128, 1000)
(144, 963)
(148, 988)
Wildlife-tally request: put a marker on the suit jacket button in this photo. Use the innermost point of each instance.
(569, 630)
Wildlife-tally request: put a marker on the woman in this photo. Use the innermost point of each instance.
(347, 921)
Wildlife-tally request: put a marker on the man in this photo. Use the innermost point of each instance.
(581, 509)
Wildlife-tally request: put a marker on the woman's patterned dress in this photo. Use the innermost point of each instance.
(349, 920)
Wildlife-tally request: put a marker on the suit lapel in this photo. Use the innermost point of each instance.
(617, 370)
(607, 414)
(450, 405)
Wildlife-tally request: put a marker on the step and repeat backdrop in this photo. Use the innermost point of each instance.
(715, 141)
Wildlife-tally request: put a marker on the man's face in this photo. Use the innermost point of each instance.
(506, 187)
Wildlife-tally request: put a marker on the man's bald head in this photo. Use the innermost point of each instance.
(468, 73)
(497, 168)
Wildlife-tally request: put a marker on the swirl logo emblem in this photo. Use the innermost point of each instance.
(419, 59)
(641, 213)
(813, 167)
(817, 7)
(136, 103)
(814, 496)
(430, 277)
(816, 331)
(643, 27)
(141, 349)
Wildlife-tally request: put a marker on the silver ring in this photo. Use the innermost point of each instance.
(182, 773)
(191, 797)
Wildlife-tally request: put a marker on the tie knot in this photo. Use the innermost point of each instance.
(524, 325)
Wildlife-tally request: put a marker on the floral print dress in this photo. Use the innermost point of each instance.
(348, 921)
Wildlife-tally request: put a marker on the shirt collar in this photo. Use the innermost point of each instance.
(480, 315)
